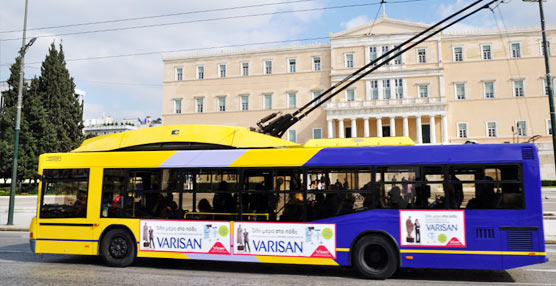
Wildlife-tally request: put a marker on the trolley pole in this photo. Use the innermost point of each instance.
(18, 118)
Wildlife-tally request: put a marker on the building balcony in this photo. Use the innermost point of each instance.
(393, 102)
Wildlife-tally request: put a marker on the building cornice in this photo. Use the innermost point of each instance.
(250, 52)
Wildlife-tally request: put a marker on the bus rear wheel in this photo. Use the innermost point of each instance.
(118, 248)
(374, 257)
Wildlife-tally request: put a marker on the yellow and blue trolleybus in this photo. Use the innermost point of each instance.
(226, 193)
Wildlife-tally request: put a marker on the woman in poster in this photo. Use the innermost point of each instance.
(240, 238)
(409, 227)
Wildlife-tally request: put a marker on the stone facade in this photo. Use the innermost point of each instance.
(483, 86)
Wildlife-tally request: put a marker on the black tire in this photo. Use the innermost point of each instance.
(118, 248)
(375, 257)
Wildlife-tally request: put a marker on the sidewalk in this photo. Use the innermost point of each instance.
(25, 210)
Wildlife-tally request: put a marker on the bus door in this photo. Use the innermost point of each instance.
(63, 226)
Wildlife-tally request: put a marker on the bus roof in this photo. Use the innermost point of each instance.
(195, 137)
(216, 136)
(360, 142)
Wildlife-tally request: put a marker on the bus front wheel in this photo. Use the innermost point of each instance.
(374, 257)
(118, 248)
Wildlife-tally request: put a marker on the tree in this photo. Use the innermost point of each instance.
(64, 110)
(27, 150)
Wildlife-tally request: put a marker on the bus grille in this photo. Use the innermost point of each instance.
(483, 233)
(519, 240)
(527, 153)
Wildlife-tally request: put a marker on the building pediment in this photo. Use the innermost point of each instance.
(382, 26)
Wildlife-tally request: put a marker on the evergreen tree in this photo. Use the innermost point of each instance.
(27, 142)
(64, 111)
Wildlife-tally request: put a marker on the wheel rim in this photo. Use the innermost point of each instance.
(118, 247)
(375, 257)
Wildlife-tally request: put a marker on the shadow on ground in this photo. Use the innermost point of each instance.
(22, 253)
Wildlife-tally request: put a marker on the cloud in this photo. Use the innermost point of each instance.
(357, 21)
(138, 93)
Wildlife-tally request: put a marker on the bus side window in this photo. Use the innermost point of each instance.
(488, 187)
(397, 186)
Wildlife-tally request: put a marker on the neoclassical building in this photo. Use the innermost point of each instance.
(484, 86)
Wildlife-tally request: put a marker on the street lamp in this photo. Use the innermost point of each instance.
(22, 52)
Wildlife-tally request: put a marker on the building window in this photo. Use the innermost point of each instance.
(350, 94)
(398, 59)
(177, 106)
(421, 56)
(292, 100)
(398, 83)
(423, 90)
(317, 133)
(292, 136)
(458, 54)
(374, 89)
(547, 47)
(244, 102)
(460, 91)
(244, 69)
(489, 89)
(516, 50)
(315, 95)
(385, 50)
(521, 128)
(199, 105)
(518, 88)
(221, 103)
(221, 70)
(316, 63)
(386, 89)
(462, 130)
(349, 61)
(267, 67)
(372, 54)
(291, 64)
(548, 127)
(200, 72)
(267, 104)
(545, 86)
(179, 73)
(486, 52)
(491, 129)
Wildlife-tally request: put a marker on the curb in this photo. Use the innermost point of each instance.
(14, 229)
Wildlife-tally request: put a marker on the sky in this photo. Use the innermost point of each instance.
(131, 86)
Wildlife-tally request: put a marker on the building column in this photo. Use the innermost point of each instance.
(432, 124)
(366, 127)
(392, 126)
(405, 127)
(378, 127)
(444, 127)
(330, 128)
(419, 130)
(341, 128)
(354, 127)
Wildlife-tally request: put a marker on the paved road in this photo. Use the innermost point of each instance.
(18, 266)
(549, 200)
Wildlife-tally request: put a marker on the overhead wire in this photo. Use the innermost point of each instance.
(209, 19)
(504, 33)
(186, 50)
(158, 16)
